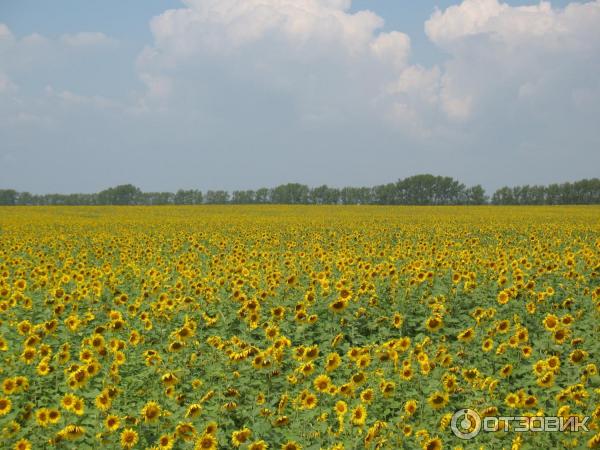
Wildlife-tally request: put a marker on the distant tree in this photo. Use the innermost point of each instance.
(424, 189)
(262, 195)
(8, 197)
(189, 197)
(475, 195)
(324, 195)
(125, 194)
(25, 198)
(217, 197)
(357, 196)
(291, 193)
(243, 197)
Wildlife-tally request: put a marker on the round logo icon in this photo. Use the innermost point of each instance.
(465, 424)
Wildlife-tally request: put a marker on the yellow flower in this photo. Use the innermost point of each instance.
(550, 322)
(241, 436)
(438, 400)
(5, 406)
(22, 444)
(166, 442)
(466, 335)
(129, 438)
(258, 445)
(410, 407)
(433, 444)
(341, 408)
(434, 323)
(359, 415)
(112, 423)
(151, 412)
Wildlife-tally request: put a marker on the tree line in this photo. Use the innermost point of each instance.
(415, 190)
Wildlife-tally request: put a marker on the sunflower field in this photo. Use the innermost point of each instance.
(296, 327)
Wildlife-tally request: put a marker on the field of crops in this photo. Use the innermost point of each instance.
(286, 327)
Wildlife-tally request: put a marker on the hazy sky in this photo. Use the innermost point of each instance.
(232, 94)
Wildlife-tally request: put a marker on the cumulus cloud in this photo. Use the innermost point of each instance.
(500, 54)
(329, 60)
(324, 58)
(575, 26)
(279, 85)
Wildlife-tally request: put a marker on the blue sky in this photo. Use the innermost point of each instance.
(316, 91)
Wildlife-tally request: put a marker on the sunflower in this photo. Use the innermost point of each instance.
(487, 345)
(9, 386)
(434, 323)
(112, 423)
(530, 401)
(22, 444)
(367, 396)
(526, 351)
(68, 401)
(560, 335)
(410, 407)
(594, 441)
(333, 361)
(503, 297)
(166, 442)
(185, 430)
(258, 445)
(5, 406)
(309, 401)
(577, 356)
(281, 421)
(550, 322)
(466, 335)
(433, 444)
(359, 415)
(193, 410)
(151, 412)
(53, 415)
(341, 408)
(241, 436)
(546, 380)
(506, 370)
(321, 383)
(338, 305)
(512, 400)
(438, 400)
(129, 438)
(291, 445)
(78, 407)
(503, 326)
(406, 373)
(72, 432)
(397, 320)
(553, 363)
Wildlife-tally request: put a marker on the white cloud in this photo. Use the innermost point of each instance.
(499, 54)
(275, 84)
(539, 25)
(327, 61)
(222, 25)
(393, 47)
